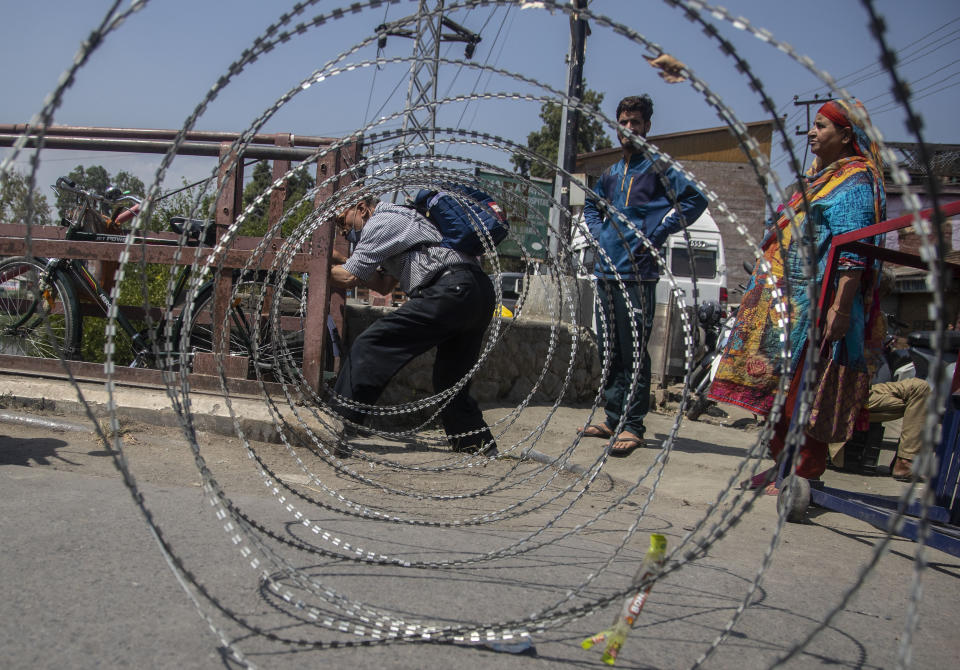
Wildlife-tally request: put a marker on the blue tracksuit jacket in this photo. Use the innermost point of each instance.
(636, 191)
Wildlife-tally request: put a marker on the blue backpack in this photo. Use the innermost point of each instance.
(459, 217)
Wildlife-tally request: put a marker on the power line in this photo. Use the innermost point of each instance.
(486, 62)
(882, 71)
(898, 52)
(456, 74)
(936, 83)
(907, 61)
(894, 105)
(373, 79)
(496, 61)
(939, 69)
(912, 84)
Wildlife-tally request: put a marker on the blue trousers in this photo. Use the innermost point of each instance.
(617, 310)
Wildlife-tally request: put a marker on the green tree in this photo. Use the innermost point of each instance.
(256, 224)
(545, 142)
(13, 201)
(256, 221)
(181, 202)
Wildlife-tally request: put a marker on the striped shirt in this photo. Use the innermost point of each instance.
(405, 244)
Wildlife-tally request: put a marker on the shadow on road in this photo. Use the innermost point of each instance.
(691, 446)
(23, 451)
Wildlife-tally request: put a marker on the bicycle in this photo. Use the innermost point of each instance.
(40, 314)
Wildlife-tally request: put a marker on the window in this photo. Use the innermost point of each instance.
(913, 285)
(511, 285)
(704, 262)
(589, 258)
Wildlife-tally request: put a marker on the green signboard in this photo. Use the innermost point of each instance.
(527, 205)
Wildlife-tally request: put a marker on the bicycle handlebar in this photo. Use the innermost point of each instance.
(70, 186)
(195, 228)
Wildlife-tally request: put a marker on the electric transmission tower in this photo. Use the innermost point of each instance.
(420, 119)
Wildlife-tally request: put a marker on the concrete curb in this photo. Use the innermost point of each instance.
(152, 407)
(149, 406)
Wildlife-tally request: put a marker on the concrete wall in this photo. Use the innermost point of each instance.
(520, 356)
(509, 372)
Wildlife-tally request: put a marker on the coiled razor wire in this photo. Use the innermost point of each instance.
(309, 429)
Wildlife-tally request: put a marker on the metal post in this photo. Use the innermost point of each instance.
(280, 168)
(228, 205)
(322, 299)
(569, 127)
(338, 297)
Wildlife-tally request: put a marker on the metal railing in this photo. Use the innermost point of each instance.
(313, 259)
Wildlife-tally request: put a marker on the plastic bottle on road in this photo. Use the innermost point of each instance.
(616, 635)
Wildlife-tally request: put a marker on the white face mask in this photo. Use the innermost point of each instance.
(353, 236)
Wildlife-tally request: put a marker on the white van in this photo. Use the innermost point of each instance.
(704, 256)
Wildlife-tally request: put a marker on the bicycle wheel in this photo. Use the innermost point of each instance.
(37, 317)
(273, 359)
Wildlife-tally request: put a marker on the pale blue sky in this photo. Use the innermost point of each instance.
(158, 66)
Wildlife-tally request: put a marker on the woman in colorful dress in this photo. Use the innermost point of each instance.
(842, 192)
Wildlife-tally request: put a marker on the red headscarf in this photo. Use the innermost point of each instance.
(853, 115)
(833, 111)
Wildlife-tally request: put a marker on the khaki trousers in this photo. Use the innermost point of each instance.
(906, 399)
(890, 401)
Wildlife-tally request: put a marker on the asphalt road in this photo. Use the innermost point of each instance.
(85, 584)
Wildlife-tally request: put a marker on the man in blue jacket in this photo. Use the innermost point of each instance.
(638, 205)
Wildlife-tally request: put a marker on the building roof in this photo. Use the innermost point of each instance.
(708, 144)
(944, 159)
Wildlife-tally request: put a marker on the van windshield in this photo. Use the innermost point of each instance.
(704, 260)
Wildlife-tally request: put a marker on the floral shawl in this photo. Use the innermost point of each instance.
(845, 196)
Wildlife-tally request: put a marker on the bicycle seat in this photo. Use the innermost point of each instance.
(194, 228)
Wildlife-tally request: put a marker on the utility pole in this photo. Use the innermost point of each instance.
(422, 88)
(569, 133)
(797, 102)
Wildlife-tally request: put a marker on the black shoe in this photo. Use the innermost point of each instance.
(476, 444)
(349, 431)
(355, 430)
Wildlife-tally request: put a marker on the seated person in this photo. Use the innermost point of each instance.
(889, 401)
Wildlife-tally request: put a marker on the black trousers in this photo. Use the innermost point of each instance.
(452, 314)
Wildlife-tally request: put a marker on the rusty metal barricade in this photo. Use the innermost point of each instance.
(314, 259)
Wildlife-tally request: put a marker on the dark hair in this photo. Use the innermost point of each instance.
(636, 103)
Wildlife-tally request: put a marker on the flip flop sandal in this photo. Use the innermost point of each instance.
(597, 430)
(631, 442)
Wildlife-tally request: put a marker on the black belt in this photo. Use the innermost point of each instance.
(448, 270)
